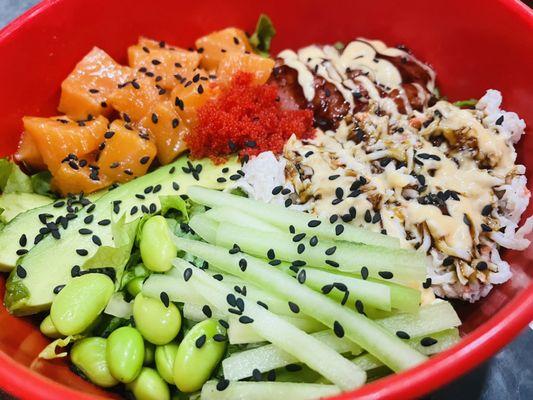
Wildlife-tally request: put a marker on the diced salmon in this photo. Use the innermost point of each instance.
(216, 44)
(161, 62)
(191, 93)
(28, 153)
(70, 177)
(86, 90)
(135, 98)
(168, 130)
(231, 63)
(57, 137)
(126, 153)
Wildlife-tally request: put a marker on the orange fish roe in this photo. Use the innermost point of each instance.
(247, 119)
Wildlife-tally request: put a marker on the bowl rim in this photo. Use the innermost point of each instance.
(471, 351)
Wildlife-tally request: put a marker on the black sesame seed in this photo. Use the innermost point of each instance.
(499, 121)
(75, 271)
(163, 296)
(298, 237)
(292, 229)
(339, 193)
(428, 341)
(288, 203)
(386, 274)
(368, 216)
(301, 276)
(200, 341)
(259, 302)
(448, 261)
(333, 218)
(313, 241)
(301, 248)
(270, 254)
(235, 249)
(487, 210)
(331, 250)
(175, 186)
(293, 367)
(486, 228)
(338, 329)
(332, 263)
(219, 338)
(359, 307)
(294, 307)
(364, 273)
(333, 177)
(481, 266)
(88, 219)
(21, 272)
(218, 277)
(427, 283)
(223, 323)
(96, 240)
(274, 262)
(221, 179)
(339, 229)
(82, 252)
(104, 222)
(403, 335)
(207, 311)
(23, 240)
(187, 274)
(244, 319)
(58, 289)
(56, 205)
(235, 177)
(314, 223)
(243, 264)
(222, 385)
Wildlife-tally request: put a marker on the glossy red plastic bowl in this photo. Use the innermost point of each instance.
(473, 45)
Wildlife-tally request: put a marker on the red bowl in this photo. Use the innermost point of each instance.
(473, 45)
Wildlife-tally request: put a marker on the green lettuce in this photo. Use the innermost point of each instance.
(262, 37)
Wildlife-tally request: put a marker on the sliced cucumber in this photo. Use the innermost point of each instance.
(266, 358)
(234, 216)
(282, 218)
(386, 264)
(266, 391)
(372, 337)
(275, 330)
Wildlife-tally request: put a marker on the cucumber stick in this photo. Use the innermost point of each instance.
(268, 391)
(405, 266)
(282, 218)
(266, 358)
(234, 216)
(275, 330)
(388, 348)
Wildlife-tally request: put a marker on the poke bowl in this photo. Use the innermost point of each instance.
(256, 201)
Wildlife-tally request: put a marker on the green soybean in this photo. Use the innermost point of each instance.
(80, 302)
(89, 356)
(164, 361)
(149, 386)
(198, 355)
(125, 353)
(149, 353)
(48, 328)
(157, 248)
(134, 286)
(157, 323)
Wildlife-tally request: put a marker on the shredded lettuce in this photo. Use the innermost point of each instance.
(262, 37)
(118, 306)
(12, 179)
(40, 183)
(470, 103)
(50, 351)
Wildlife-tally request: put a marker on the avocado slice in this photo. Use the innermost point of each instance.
(101, 233)
(13, 204)
(28, 228)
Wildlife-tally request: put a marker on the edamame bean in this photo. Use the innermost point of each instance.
(149, 353)
(164, 361)
(157, 247)
(48, 328)
(134, 286)
(125, 353)
(89, 356)
(198, 355)
(149, 386)
(80, 302)
(158, 324)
